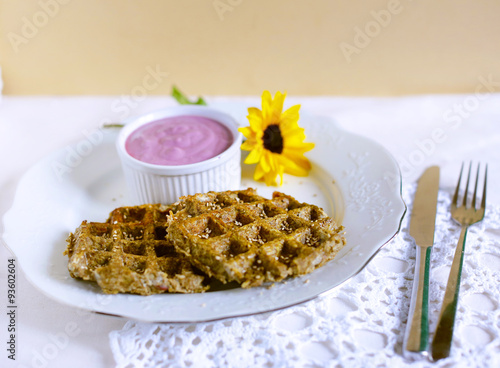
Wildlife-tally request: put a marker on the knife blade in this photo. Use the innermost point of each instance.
(422, 226)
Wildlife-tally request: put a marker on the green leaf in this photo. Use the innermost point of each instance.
(200, 101)
(183, 100)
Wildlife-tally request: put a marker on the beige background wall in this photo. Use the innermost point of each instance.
(339, 47)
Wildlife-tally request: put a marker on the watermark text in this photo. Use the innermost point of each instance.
(11, 309)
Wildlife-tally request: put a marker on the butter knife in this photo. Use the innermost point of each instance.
(422, 225)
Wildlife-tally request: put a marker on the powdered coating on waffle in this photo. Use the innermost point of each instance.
(129, 253)
(243, 237)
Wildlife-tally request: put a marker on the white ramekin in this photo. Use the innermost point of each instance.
(150, 183)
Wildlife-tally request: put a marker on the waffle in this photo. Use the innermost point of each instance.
(243, 237)
(129, 253)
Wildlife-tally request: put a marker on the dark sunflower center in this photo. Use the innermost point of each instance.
(273, 141)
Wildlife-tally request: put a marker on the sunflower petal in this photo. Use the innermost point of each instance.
(247, 132)
(299, 160)
(294, 168)
(281, 171)
(267, 102)
(297, 147)
(258, 173)
(290, 118)
(295, 135)
(264, 162)
(249, 145)
(254, 111)
(270, 178)
(254, 156)
(270, 165)
(277, 107)
(255, 119)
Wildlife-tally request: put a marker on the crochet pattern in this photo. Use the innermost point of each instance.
(360, 323)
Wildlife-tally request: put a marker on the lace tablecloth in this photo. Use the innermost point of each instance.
(359, 324)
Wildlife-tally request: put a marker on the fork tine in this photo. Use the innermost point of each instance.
(475, 188)
(467, 187)
(455, 196)
(483, 201)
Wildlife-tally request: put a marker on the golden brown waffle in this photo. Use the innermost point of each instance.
(241, 236)
(130, 254)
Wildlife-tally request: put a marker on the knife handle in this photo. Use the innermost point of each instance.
(417, 328)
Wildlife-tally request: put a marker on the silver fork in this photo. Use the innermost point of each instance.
(465, 215)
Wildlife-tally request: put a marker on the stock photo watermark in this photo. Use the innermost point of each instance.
(75, 154)
(363, 36)
(461, 111)
(31, 25)
(123, 106)
(11, 310)
(151, 80)
(453, 118)
(221, 7)
(57, 343)
(60, 341)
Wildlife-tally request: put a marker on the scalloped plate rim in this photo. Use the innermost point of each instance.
(101, 308)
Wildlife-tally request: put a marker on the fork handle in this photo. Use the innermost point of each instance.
(441, 343)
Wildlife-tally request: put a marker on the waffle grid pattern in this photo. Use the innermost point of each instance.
(243, 237)
(228, 236)
(130, 254)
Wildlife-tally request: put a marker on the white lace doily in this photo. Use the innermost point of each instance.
(361, 323)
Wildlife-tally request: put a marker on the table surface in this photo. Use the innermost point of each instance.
(418, 131)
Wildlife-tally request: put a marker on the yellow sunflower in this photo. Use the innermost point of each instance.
(275, 140)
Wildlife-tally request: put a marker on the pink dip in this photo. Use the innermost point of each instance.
(178, 140)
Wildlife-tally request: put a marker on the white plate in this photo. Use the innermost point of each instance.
(354, 179)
